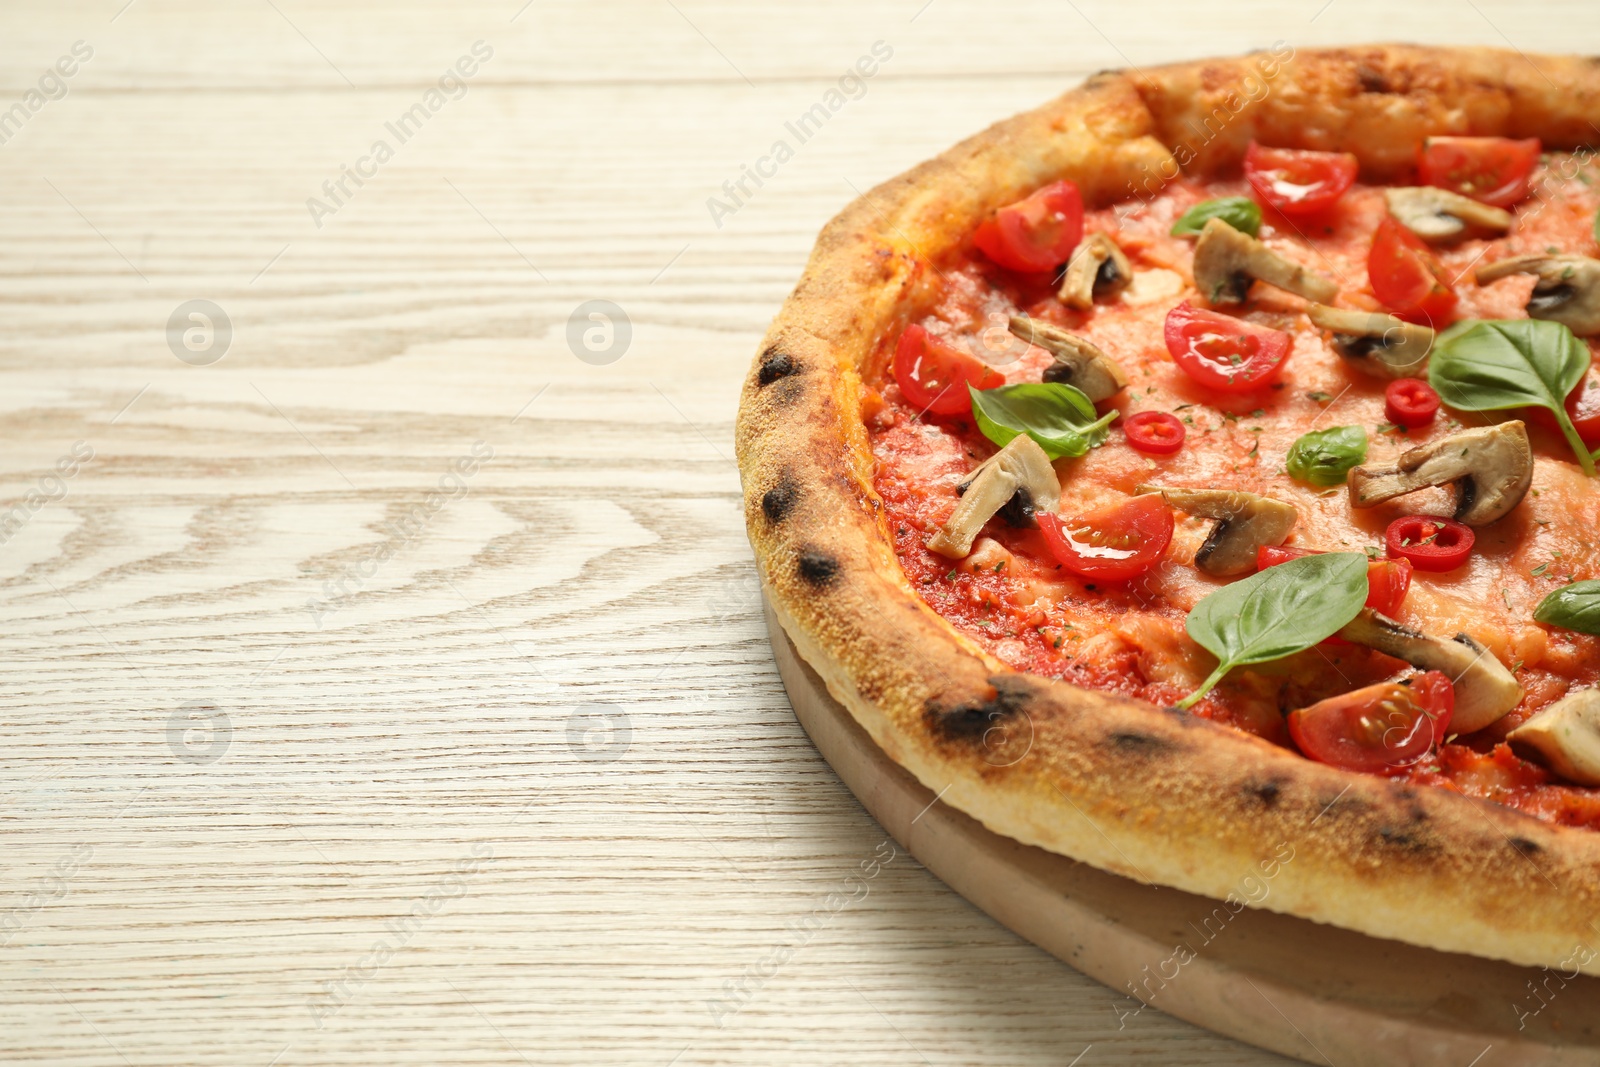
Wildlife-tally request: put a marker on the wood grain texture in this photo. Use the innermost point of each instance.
(293, 776)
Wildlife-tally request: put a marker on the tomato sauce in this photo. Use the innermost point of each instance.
(1013, 598)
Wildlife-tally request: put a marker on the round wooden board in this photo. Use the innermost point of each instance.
(1314, 992)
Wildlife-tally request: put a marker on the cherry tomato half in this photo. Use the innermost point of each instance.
(1430, 544)
(1298, 182)
(1227, 354)
(1037, 233)
(1113, 544)
(1406, 276)
(1387, 579)
(1494, 170)
(1410, 402)
(1154, 432)
(1583, 408)
(934, 375)
(1380, 728)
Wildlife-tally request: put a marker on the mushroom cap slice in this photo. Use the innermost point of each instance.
(1564, 737)
(1435, 214)
(1245, 522)
(1226, 261)
(1485, 690)
(1097, 266)
(1019, 470)
(1568, 289)
(1382, 345)
(1492, 468)
(1078, 362)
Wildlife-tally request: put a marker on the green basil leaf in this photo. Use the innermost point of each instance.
(1240, 212)
(1597, 226)
(1572, 607)
(1324, 457)
(1277, 612)
(1496, 364)
(1059, 417)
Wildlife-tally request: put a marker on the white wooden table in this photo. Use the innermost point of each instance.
(303, 765)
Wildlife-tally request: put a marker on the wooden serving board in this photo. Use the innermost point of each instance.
(1306, 990)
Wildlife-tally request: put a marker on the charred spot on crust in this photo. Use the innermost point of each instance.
(1337, 804)
(777, 502)
(817, 568)
(1373, 80)
(1524, 846)
(1415, 811)
(1402, 839)
(788, 390)
(972, 720)
(775, 365)
(1268, 793)
(1134, 742)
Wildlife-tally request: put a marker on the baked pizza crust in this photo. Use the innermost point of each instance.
(1153, 794)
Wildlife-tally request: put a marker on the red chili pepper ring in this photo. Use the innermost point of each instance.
(1430, 544)
(1154, 432)
(1410, 402)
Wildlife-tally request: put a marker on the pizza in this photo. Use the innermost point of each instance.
(1201, 464)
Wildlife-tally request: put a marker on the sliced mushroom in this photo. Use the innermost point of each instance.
(1491, 467)
(1435, 214)
(1098, 266)
(1016, 482)
(1245, 522)
(1226, 261)
(1078, 362)
(1564, 737)
(1381, 345)
(1485, 690)
(1568, 289)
